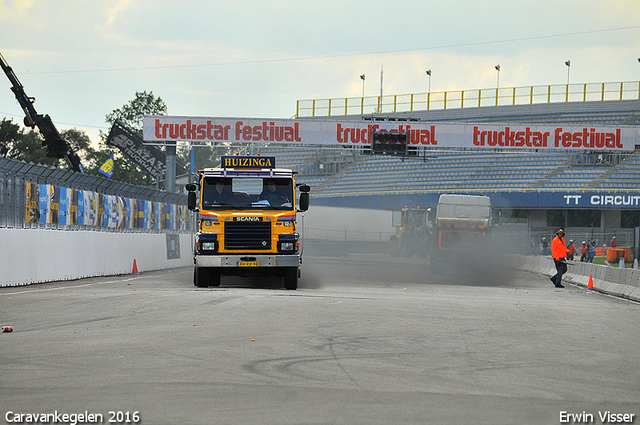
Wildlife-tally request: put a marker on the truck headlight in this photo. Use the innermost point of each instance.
(288, 242)
(207, 243)
(287, 246)
(208, 246)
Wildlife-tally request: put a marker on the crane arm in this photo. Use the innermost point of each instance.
(57, 147)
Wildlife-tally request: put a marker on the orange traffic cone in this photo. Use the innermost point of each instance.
(590, 285)
(135, 267)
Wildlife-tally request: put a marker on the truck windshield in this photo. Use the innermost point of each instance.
(416, 218)
(247, 192)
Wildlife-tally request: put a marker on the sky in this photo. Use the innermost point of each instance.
(83, 59)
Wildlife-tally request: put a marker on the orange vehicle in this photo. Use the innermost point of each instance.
(414, 232)
(248, 221)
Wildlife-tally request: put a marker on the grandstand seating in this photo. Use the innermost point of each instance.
(457, 171)
(471, 170)
(445, 172)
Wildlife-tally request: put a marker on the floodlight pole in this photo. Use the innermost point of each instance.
(380, 103)
(429, 92)
(497, 67)
(568, 63)
(362, 77)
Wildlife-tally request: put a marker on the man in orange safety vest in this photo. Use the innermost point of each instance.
(559, 253)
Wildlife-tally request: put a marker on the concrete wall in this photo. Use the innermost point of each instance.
(621, 282)
(34, 256)
(348, 224)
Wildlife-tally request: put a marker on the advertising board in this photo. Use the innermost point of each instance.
(204, 130)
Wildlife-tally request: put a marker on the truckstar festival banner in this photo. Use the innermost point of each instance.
(201, 130)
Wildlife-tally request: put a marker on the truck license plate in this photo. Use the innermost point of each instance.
(248, 263)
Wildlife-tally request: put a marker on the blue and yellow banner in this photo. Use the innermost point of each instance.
(107, 167)
(49, 204)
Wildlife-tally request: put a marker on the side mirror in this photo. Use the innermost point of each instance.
(304, 201)
(191, 200)
(191, 196)
(304, 188)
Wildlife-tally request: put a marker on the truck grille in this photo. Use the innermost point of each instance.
(247, 235)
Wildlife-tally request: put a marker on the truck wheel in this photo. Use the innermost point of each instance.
(405, 245)
(201, 277)
(395, 246)
(291, 278)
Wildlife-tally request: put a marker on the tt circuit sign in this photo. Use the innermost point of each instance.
(203, 130)
(602, 200)
(566, 200)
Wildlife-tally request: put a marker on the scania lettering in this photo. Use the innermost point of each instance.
(247, 225)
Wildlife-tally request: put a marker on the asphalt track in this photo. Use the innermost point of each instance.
(366, 339)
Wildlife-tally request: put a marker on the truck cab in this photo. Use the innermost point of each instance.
(463, 222)
(413, 232)
(247, 225)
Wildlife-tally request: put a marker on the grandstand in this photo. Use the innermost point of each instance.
(335, 173)
(451, 171)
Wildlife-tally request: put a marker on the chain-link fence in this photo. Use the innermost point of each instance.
(37, 196)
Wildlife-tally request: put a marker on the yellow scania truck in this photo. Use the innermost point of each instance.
(247, 221)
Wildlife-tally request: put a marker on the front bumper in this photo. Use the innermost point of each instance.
(236, 259)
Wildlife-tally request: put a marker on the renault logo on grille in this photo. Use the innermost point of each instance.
(264, 243)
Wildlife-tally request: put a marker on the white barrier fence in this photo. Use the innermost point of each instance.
(36, 255)
(621, 282)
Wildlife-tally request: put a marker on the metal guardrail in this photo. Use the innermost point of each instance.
(525, 95)
(336, 194)
(349, 235)
(30, 197)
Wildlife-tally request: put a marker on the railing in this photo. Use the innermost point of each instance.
(473, 191)
(525, 95)
(40, 197)
(348, 234)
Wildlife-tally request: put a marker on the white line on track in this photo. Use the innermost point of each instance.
(73, 286)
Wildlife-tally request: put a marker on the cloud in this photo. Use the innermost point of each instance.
(112, 14)
(12, 9)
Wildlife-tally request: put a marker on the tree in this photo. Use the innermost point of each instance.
(21, 146)
(29, 149)
(81, 143)
(26, 145)
(9, 134)
(132, 115)
(206, 156)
